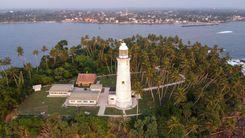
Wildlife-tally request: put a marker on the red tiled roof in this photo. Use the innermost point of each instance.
(86, 78)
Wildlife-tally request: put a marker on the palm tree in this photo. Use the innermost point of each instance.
(21, 80)
(180, 95)
(44, 50)
(3, 63)
(192, 126)
(72, 53)
(138, 91)
(54, 54)
(159, 82)
(173, 123)
(6, 62)
(28, 68)
(20, 53)
(35, 53)
(149, 80)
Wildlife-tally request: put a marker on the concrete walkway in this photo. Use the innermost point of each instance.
(118, 116)
(102, 103)
(101, 111)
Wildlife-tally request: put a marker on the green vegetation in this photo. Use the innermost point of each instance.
(56, 126)
(209, 103)
(132, 111)
(108, 81)
(113, 111)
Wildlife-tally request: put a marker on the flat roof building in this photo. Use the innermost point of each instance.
(37, 87)
(82, 97)
(96, 87)
(60, 90)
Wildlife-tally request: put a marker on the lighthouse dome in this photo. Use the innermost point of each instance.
(123, 51)
(123, 46)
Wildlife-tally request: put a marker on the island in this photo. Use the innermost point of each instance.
(140, 86)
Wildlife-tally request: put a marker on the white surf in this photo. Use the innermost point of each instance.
(225, 32)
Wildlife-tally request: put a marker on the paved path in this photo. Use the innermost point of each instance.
(109, 75)
(156, 87)
(101, 111)
(116, 116)
(166, 85)
(103, 101)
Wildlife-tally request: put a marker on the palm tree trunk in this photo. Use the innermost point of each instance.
(152, 95)
(165, 91)
(6, 76)
(37, 63)
(29, 74)
(172, 92)
(108, 68)
(159, 96)
(46, 60)
(137, 108)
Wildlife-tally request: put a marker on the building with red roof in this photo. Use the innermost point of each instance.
(85, 79)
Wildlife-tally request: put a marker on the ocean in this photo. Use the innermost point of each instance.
(230, 36)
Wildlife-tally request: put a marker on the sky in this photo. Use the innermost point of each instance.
(93, 4)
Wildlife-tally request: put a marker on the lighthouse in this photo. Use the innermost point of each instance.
(123, 84)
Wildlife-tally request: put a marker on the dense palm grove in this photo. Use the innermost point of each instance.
(210, 102)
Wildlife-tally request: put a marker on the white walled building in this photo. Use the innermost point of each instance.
(96, 87)
(60, 90)
(112, 98)
(82, 97)
(37, 88)
(123, 84)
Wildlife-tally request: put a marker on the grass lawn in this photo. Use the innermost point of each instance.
(113, 111)
(132, 111)
(39, 102)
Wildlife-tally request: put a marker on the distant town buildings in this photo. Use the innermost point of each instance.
(124, 16)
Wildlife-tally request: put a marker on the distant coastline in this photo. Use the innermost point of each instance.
(191, 24)
(199, 24)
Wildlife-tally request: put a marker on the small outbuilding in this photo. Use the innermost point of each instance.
(60, 90)
(112, 98)
(37, 88)
(85, 80)
(96, 87)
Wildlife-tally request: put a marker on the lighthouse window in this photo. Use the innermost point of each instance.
(123, 82)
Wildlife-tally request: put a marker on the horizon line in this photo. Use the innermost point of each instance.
(111, 8)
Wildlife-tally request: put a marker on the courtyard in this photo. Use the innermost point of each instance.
(38, 103)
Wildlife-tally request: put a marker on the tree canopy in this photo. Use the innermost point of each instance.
(210, 102)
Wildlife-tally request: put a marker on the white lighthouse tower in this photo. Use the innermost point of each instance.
(123, 86)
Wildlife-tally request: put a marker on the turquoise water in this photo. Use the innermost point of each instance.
(34, 36)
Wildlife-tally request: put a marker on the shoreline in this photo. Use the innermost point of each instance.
(123, 23)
